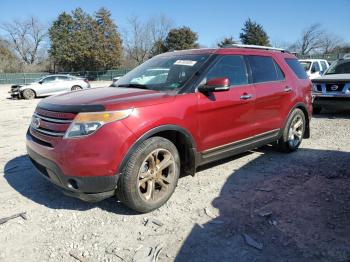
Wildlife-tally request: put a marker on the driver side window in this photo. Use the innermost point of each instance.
(49, 79)
(232, 67)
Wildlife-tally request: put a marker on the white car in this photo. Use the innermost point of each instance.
(49, 85)
(314, 67)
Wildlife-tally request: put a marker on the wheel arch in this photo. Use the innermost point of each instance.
(303, 108)
(180, 137)
(28, 88)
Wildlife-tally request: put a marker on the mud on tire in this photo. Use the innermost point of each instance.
(150, 175)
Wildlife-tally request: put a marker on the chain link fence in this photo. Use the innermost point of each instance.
(26, 78)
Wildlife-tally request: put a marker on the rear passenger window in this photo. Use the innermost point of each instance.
(263, 69)
(294, 64)
(232, 67)
(280, 74)
(324, 65)
(315, 67)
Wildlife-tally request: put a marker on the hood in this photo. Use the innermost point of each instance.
(108, 98)
(332, 78)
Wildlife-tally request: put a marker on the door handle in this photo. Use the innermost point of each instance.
(246, 96)
(287, 89)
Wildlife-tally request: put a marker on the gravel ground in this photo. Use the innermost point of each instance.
(260, 206)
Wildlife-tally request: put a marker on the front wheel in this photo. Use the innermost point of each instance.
(293, 132)
(28, 94)
(150, 175)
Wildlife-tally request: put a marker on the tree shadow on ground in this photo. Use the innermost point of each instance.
(297, 206)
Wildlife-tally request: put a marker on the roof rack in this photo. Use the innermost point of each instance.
(255, 47)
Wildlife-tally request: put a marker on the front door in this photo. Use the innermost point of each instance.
(225, 117)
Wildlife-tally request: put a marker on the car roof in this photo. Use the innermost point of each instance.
(311, 60)
(230, 50)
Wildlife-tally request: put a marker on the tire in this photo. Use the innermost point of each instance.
(143, 186)
(75, 88)
(293, 132)
(316, 110)
(28, 94)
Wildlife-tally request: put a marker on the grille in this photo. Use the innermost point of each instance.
(50, 127)
(339, 87)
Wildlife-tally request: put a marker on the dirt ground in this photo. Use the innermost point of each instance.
(260, 206)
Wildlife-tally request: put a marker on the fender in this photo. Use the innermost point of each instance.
(153, 131)
(307, 116)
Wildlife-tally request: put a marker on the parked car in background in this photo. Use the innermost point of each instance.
(332, 89)
(314, 67)
(114, 81)
(49, 85)
(197, 106)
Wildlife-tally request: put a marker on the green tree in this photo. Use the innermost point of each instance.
(108, 42)
(227, 41)
(254, 34)
(82, 42)
(181, 38)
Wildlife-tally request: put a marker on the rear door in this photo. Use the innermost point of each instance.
(225, 117)
(272, 92)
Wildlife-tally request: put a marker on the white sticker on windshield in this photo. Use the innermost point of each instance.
(185, 62)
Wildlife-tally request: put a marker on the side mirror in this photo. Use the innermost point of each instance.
(215, 85)
(40, 82)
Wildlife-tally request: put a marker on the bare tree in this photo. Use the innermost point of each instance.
(310, 41)
(141, 37)
(26, 38)
(330, 42)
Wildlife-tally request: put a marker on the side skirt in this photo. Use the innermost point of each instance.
(237, 147)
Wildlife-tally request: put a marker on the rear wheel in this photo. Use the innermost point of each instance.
(293, 132)
(150, 175)
(28, 94)
(75, 88)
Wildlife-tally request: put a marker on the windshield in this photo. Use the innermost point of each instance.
(339, 67)
(306, 65)
(163, 72)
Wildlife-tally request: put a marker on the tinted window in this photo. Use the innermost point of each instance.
(280, 74)
(324, 65)
(296, 67)
(232, 67)
(315, 67)
(62, 78)
(49, 79)
(339, 67)
(263, 69)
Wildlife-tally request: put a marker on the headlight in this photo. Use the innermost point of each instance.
(315, 87)
(87, 123)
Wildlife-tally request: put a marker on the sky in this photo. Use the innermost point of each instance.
(211, 19)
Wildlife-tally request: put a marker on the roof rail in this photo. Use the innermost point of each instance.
(255, 47)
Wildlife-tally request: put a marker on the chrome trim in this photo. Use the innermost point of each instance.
(55, 120)
(48, 132)
(240, 141)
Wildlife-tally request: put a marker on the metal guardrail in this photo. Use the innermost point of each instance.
(25, 78)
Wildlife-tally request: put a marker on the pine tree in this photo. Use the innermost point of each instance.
(254, 34)
(108, 41)
(81, 42)
(181, 38)
(227, 41)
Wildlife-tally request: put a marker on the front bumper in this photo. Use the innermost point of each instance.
(340, 102)
(91, 189)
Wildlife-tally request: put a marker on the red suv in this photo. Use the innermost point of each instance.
(173, 113)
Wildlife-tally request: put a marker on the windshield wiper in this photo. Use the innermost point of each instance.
(134, 85)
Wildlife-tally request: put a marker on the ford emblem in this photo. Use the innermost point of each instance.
(35, 122)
